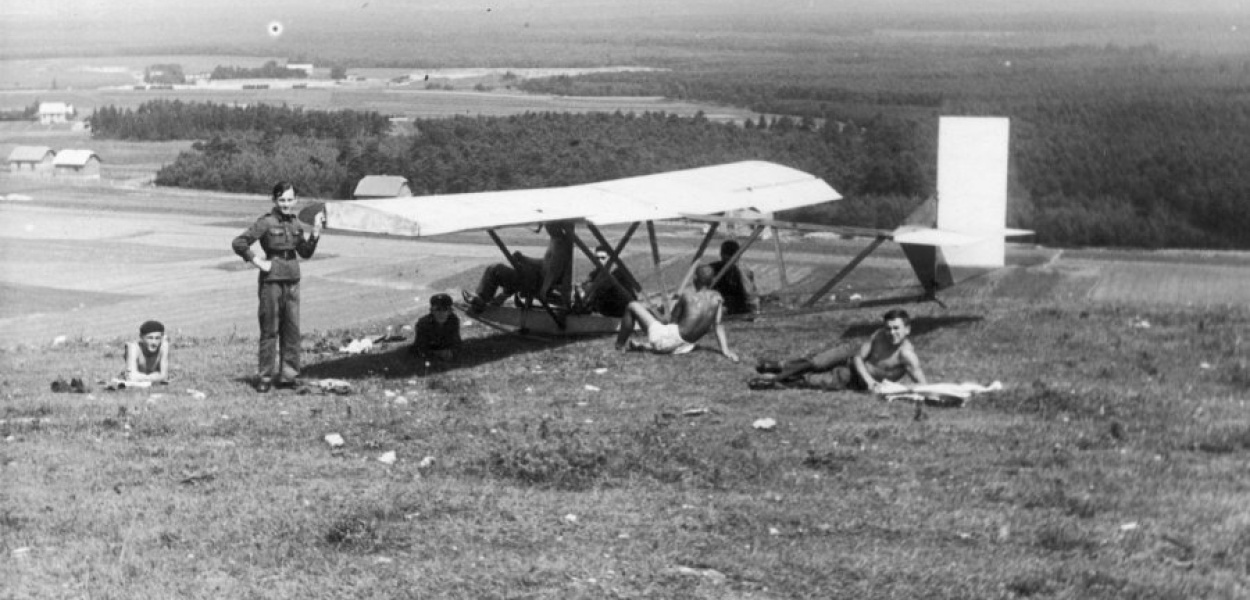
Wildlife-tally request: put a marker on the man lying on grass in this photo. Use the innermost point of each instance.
(887, 356)
(695, 313)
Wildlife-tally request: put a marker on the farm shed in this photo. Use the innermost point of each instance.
(382, 186)
(55, 112)
(81, 164)
(31, 160)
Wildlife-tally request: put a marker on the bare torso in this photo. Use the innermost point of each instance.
(695, 313)
(886, 360)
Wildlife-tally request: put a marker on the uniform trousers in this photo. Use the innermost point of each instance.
(279, 352)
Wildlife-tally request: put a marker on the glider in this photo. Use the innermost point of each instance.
(965, 237)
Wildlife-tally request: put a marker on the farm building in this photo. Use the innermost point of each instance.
(307, 68)
(31, 160)
(55, 112)
(382, 186)
(81, 164)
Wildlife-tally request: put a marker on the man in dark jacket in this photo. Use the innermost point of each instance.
(737, 285)
(438, 333)
(284, 241)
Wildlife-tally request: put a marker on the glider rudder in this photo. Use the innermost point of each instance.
(971, 200)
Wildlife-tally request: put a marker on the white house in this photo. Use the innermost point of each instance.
(382, 186)
(305, 67)
(81, 164)
(31, 160)
(55, 112)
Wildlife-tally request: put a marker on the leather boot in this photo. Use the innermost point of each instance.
(767, 366)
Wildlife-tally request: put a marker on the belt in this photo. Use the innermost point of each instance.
(286, 254)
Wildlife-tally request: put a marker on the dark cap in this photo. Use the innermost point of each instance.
(151, 327)
(440, 301)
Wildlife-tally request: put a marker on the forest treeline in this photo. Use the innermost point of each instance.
(1146, 172)
(161, 120)
(1111, 145)
(469, 154)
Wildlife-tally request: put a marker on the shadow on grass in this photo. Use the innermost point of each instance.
(919, 325)
(396, 362)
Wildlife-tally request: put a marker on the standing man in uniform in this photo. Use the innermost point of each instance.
(283, 239)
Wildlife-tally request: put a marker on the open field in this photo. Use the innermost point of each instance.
(91, 82)
(137, 252)
(1111, 466)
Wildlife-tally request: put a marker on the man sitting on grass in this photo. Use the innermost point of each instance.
(695, 313)
(887, 356)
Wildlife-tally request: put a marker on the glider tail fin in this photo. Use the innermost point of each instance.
(971, 201)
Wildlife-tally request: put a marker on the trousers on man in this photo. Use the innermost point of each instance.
(279, 321)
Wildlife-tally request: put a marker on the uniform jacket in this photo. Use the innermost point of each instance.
(432, 335)
(281, 237)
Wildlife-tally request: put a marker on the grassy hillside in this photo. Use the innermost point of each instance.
(1110, 467)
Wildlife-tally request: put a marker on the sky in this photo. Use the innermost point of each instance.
(26, 27)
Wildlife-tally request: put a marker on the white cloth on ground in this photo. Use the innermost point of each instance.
(893, 390)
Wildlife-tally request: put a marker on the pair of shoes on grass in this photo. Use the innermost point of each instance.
(75, 386)
(767, 383)
(264, 386)
(767, 366)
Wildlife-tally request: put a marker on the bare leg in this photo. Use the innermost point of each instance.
(636, 312)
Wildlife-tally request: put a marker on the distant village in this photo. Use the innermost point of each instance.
(77, 163)
(42, 161)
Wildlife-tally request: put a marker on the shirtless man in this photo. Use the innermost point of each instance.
(695, 313)
(887, 356)
(148, 359)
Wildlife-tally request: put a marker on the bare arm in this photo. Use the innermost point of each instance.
(132, 364)
(861, 366)
(721, 339)
(162, 374)
(679, 311)
(911, 363)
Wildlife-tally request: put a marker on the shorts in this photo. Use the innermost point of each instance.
(665, 338)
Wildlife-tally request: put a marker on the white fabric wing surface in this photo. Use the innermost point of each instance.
(764, 186)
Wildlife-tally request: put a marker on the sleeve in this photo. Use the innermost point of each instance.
(453, 334)
(627, 280)
(306, 246)
(242, 245)
(424, 337)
